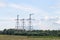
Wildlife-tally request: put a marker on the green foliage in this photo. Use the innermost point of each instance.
(31, 33)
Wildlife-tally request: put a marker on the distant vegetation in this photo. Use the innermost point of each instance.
(30, 33)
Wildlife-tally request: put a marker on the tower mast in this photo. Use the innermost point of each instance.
(30, 25)
(17, 22)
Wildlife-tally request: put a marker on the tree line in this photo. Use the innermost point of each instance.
(30, 33)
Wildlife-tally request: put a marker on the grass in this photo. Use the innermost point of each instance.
(14, 37)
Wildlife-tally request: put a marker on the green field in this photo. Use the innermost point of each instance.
(13, 37)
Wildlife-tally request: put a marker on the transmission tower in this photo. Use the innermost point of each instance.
(30, 25)
(23, 23)
(17, 22)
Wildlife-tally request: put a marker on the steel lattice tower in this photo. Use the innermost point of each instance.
(30, 25)
(23, 23)
(17, 22)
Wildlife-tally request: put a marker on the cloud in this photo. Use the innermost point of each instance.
(50, 22)
(56, 9)
(30, 9)
(49, 18)
(56, 5)
(58, 21)
(57, 12)
(46, 17)
(2, 4)
(24, 8)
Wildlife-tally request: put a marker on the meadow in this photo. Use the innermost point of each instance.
(15, 37)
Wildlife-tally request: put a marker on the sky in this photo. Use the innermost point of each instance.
(45, 12)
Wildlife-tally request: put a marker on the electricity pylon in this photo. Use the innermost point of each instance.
(30, 23)
(17, 22)
(23, 23)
